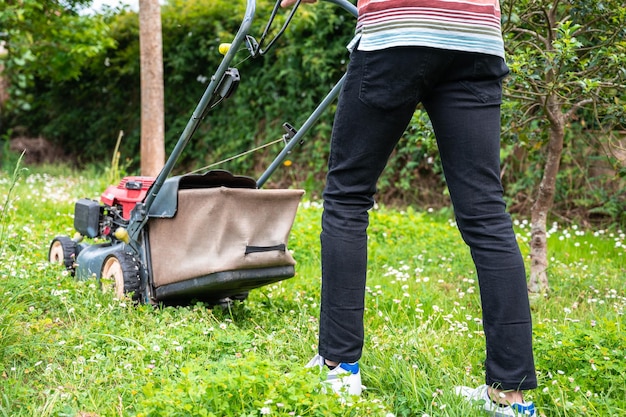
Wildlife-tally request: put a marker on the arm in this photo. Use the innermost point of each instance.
(287, 3)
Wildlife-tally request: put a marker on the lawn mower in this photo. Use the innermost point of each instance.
(208, 237)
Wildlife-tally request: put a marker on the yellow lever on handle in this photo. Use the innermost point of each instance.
(223, 48)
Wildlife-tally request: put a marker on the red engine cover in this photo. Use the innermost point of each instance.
(129, 192)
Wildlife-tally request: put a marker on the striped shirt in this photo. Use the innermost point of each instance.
(461, 25)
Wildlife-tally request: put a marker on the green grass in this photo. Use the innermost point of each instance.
(66, 349)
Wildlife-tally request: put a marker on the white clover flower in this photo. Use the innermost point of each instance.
(265, 411)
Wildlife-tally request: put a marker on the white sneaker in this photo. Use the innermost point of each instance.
(481, 394)
(344, 379)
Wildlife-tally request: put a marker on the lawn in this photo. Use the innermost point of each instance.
(67, 349)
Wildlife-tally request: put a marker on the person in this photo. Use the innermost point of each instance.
(447, 55)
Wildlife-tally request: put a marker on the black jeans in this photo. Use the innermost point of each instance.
(462, 94)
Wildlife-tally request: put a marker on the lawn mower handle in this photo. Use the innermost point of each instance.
(139, 215)
(312, 119)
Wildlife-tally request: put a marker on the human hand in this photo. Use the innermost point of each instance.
(287, 3)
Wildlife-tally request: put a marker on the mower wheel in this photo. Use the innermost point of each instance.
(123, 270)
(63, 250)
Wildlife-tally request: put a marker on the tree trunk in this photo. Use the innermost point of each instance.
(152, 94)
(545, 199)
(4, 88)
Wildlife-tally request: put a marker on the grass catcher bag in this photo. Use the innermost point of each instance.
(225, 226)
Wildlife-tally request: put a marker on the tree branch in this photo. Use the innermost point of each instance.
(576, 106)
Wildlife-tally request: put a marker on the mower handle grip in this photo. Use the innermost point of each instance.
(346, 5)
